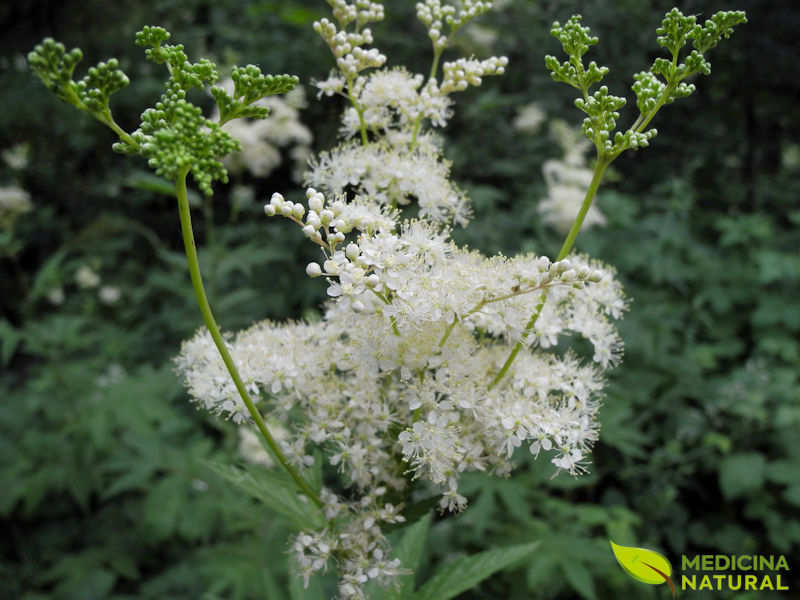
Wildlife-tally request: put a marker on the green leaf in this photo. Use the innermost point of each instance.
(466, 572)
(313, 475)
(274, 490)
(163, 505)
(792, 494)
(741, 473)
(579, 578)
(409, 551)
(314, 591)
(10, 338)
(783, 471)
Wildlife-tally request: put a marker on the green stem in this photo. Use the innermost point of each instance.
(213, 328)
(391, 318)
(448, 331)
(599, 170)
(360, 111)
(437, 53)
(519, 344)
(106, 119)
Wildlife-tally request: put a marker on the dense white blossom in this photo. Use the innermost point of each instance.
(402, 381)
(392, 176)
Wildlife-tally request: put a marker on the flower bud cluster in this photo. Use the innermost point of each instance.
(462, 73)
(651, 93)
(100, 82)
(351, 58)
(323, 224)
(434, 15)
(174, 136)
(54, 66)
(361, 11)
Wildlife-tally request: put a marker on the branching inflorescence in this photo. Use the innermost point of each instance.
(431, 360)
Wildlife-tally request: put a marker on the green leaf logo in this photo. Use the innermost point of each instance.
(644, 565)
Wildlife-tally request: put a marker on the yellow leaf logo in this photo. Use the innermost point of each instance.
(644, 565)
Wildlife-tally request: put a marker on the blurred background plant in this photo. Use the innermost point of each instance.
(104, 492)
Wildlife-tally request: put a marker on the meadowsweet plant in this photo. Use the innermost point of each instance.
(431, 360)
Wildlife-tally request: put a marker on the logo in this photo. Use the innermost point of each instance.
(714, 572)
(644, 565)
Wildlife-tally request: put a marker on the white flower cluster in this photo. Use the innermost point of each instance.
(393, 175)
(262, 139)
(14, 201)
(395, 98)
(360, 546)
(405, 379)
(567, 180)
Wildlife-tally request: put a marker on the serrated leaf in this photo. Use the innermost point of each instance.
(163, 505)
(409, 551)
(579, 578)
(274, 490)
(466, 572)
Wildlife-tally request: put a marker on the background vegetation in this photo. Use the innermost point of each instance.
(104, 492)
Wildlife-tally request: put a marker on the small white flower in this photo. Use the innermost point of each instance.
(56, 296)
(109, 294)
(86, 278)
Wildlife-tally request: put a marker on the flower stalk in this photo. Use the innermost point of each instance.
(213, 329)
